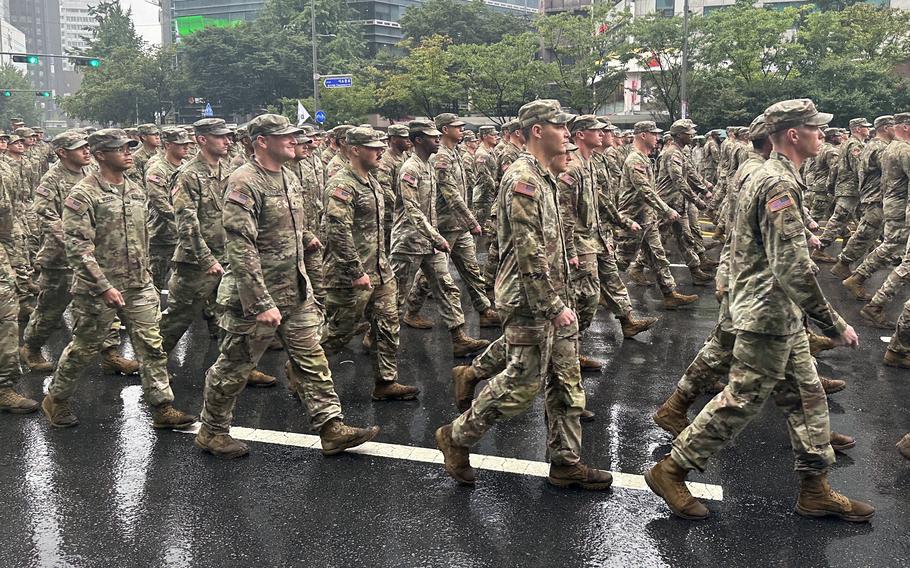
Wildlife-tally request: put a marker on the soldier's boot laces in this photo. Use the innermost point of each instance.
(258, 379)
(819, 343)
(464, 381)
(336, 436)
(457, 459)
(15, 403)
(632, 327)
(589, 363)
(34, 360)
(668, 480)
(700, 277)
(818, 499)
(823, 257)
(875, 317)
(841, 269)
(113, 363)
(417, 321)
(674, 300)
(394, 391)
(637, 275)
(903, 446)
(220, 445)
(854, 285)
(489, 318)
(464, 345)
(587, 416)
(166, 416)
(841, 442)
(579, 475)
(58, 412)
(832, 386)
(672, 415)
(895, 359)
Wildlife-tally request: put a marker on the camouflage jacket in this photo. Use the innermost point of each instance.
(470, 173)
(579, 208)
(7, 241)
(484, 176)
(742, 176)
(674, 179)
(709, 161)
(198, 196)
(105, 228)
(533, 276)
(870, 171)
(821, 174)
(17, 177)
(335, 165)
(265, 239)
(140, 163)
(50, 194)
(638, 198)
(772, 285)
(318, 167)
(327, 154)
(848, 168)
(313, 199)
(895, 178)
(387, 176)
(159, 177)
(354, 243)
(453, 213)
(414, 231)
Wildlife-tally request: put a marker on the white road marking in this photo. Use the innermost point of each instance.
(885, 338)
(429, 455)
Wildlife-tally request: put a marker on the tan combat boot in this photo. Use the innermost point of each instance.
(817, 499)
(822, 256)
(637, 275)
(113, 363)
(672, 415)
(854, 284)
(903, 446)
(700, 277)
(220, 445)
(895, 359)
(457, 459)
(841, 269)
(464, 345)
(34, 360)
(875, 317)
(464, 381)
(417, 321)
(674, 300)
(841, 442)
(336, 436)
(489, 318)
(258, 379)
(15, 403)
(394, 391)
(819, 343)
(832, 386)
(166, 416)
(579, 475)
(632, 327)
(668, 480)
(589, 364)
(58, 412)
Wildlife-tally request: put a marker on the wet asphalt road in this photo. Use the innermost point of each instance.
(113, 492)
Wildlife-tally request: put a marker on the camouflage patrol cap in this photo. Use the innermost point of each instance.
(509, 126)
(683, 126)
(667, 136)
(270, 125)
(570, 147)
(427, 127)
(24, 132)
(884, 121)
(211, 126)
(360, 136)
(742, 131)
(307, 128)
(447, 119)
(469, 136)
(38, 129)
(131, 131)
(339, 132)
(13, 138)
(303, 138)
(645, 126)
(69, 140)
(399, 130)
(859, 122)
(758, 129)
(486, 130)
(241, 132)
(606, 121)
(792, 113)
(542, 110)
(110, 139)
(902, 118)
(89, 129)
(16, 120)
(582, 122)
(4, 135)
(148, 129)
(628, 133)
(175, 135)
(830, 132)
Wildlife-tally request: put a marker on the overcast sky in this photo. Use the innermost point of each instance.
(145, 17)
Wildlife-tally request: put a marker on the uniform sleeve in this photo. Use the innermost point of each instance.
(485, 186)
(79, 234)
(339, 229)
(676, 169)
(186, 193)
(641, 180)
(46, 207)
(407, 187)
(447, 186)
(157, 187)
(240, 216)
(567, 190)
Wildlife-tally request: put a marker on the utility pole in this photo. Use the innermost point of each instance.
(315, 65)
(683, 96)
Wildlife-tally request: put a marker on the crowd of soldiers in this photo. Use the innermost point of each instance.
(289, 237)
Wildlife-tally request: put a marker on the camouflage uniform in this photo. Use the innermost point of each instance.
(387, 176)
(24, 232)
(709, 160)
(820, 179)
(870, 224)
(485, 184)
(141, 158)
(846, 190)
(675, 189)
(162, 225)
(313, 202)
(9, 303)
(504, 158)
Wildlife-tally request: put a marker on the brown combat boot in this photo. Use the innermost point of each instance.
(464, 380)
(367, 343)
(587, 416)
(817, 499)
(841, 269)
(58, 412)
(34, 360)
(823, 257)
(220, 445)
(875, 317)
(841, 442)
(489, 318)
(672, 415)
(276, 344)
(819, 343)
(416, 321)
(166, 416)
(258, 379)
(674, 300)
(394, 391)
(579, 475)
(336, 436)
(708, 264)
(832, 386)
(457, 459)
(15, 403)
(854, 285)
(668, 480)
(637, 275)
(903, 446)
(632, 327)
(700, 277)
(113, 363)
(589, 364)
(895, 359)
(464, 345)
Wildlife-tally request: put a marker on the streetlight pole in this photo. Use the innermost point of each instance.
(683, 96)
(315, 67)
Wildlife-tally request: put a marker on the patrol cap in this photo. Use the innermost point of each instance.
(510, 126)
(902, 118)
(585, 122)
(859, 122)
(884, 121)
(131, 131)
(792, 113)
(38, 129)
(422, 126)
(469, 136)
(486, 130)
(4, 135)
(399, 130)
(16, 120)
(148, 129)
(24, 132)
(339, 132)
(629, 132)
(570, 147)
(242, 131)
(110, 139)
(212, 126)
(606, 121)
(304, 138)
(307, 128)
(447, 119)
(89, 129)
(175, 135)
(69, 140)
(360, 136)
(542, 110)
(683, 126)
(645, 126)
(13, 138)
(269, 125)
(758, 129)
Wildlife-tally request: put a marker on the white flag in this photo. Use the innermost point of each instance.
(302, 114)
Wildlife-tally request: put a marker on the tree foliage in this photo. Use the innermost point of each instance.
(19, 105)
(464, 22)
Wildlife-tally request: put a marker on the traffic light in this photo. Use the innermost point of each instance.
(7, 93)
(42, 93)
(92, 62)
(29, 58)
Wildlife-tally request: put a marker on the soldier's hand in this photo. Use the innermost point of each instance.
(812, 225)
(313, 245)
(271, 318)
(848, 338)
(362, 283)
(635, 227)
(573, 262)
(476, 230)
(814, 242)
(720, 290)
(113, 298)
(215, 270)
(672, 215)
(442, 246)
(565, 317)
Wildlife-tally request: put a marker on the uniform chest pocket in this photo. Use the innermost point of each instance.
(788, 223)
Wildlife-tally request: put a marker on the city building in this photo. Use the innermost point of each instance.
(11, 39)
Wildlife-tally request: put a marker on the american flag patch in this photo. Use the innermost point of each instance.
(525, 189)
(240, 198)
(342, 194)
(409, 178)
(567, 179)
(506, 166)
(780, 203)
(43, 191)
(153, 178)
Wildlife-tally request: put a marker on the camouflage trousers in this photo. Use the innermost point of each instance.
(612, 288)
(345, 308)
(491, 266)
(844, 210)
(764, 366)
(866, 236)
(26, 289)
(482, 211)
(53, 299)
(597, 276)
(9, 336)
(313, 262)
(464, 257)
(892, 246)
(712, 363)
(648, 242)
(822, 205)
(190, 290)
(92, 323)
(160, 256)
(681, 232)
(436, 269)
(536, 355)
(900, 341)
(242, 346)
(894, 283)
(693, 214)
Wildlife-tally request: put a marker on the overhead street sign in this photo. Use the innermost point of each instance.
(320, 116)
(337, 82)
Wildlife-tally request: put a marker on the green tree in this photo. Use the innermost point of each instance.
(655, 49)
(426, 80)
(18, 105)
(465, 22)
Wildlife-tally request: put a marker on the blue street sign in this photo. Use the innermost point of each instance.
(208, 110)
(337, 82)
(320, 116)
